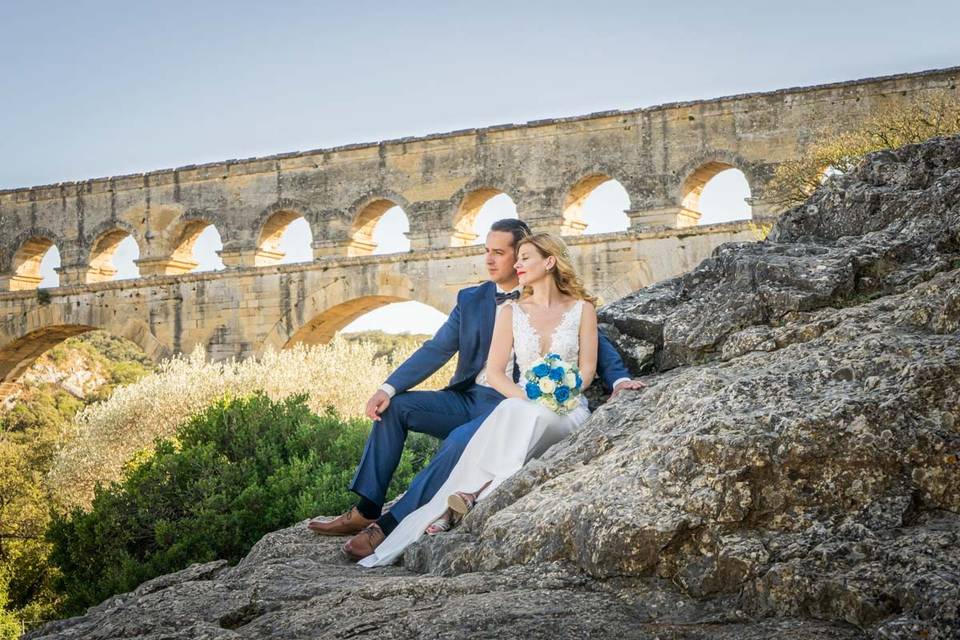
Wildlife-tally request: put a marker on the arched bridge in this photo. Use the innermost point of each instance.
(663, 156)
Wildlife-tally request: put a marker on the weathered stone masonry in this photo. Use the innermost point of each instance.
(661, 155)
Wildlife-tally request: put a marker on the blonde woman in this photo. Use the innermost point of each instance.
(554, 314)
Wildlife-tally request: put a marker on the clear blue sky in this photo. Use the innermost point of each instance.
(93, 89)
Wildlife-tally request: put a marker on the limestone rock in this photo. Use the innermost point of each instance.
(77, 374)
(791, 471)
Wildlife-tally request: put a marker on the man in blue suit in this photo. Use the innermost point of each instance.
(452, 414)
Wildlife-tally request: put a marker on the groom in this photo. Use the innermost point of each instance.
(452, 414)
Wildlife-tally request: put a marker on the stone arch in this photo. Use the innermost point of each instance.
(28, 250)
(696, 173)
(366, 213)
(171, 251)
(105, 239)
(183, 235)
(10, 248)
(319, 316)
(321, 328)
(470, 200)
(44, 333)
(578, 189)
(272, 222)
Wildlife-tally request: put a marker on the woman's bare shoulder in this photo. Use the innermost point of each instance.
(588, 310)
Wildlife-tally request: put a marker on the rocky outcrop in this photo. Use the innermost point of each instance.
(76, 373)
(791, 471)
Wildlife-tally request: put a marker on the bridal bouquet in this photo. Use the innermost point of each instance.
(554, 383)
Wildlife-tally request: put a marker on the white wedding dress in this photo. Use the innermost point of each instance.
(516, 431)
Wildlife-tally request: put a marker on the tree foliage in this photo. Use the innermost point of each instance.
(31, 430)
(29, 434)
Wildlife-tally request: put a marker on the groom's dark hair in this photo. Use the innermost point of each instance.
(514, 226)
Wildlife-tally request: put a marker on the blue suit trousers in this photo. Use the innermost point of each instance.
(450, 415)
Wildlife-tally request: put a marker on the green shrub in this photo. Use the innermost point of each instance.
(111, 348)
(127, 372)
(242, 468)
(9, 624)
(30, 433)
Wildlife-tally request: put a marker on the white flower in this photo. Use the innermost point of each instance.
(570, 379)
(547, 385)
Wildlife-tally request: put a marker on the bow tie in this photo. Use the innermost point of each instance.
(501, 297)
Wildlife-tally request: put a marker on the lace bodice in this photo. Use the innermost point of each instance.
(565, 340)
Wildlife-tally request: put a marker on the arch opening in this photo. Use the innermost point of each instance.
(18, 357)
(597, 203)
(405, 316)
(716, 192)
(34, 265)
(285, 238)
(50, 268)
(479, 209)
(391, 314)
(380, 227)
(197, 248)
(113, 257)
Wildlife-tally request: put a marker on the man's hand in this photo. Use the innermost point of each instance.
(377, 404)
(626, 384)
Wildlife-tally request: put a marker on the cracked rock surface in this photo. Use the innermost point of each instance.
(791, 471)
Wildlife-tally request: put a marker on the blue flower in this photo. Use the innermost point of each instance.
(533, 390)
(579, 381)
(553, 356)
(541, 370)
(562, 393)
(557, 373)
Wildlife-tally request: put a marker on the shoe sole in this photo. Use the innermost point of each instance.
(458, 504)
(315, 527)
(325, 532)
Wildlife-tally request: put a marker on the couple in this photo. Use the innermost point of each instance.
(488, 426)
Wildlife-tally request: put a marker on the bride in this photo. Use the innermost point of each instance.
(553, 315)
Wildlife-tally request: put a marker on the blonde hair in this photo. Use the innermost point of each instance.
(564, 274)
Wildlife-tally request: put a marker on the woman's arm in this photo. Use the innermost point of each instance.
(588, 344)
(500, 346)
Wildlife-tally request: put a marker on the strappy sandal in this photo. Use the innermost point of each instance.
(440, 525)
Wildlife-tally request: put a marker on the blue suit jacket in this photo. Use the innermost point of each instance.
(469, 330)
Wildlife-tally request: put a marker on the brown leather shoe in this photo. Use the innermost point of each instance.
(364, 543)
(346, 524)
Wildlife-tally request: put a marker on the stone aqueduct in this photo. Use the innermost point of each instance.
(661, 155)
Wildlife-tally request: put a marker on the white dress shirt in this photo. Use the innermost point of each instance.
(482, 376)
